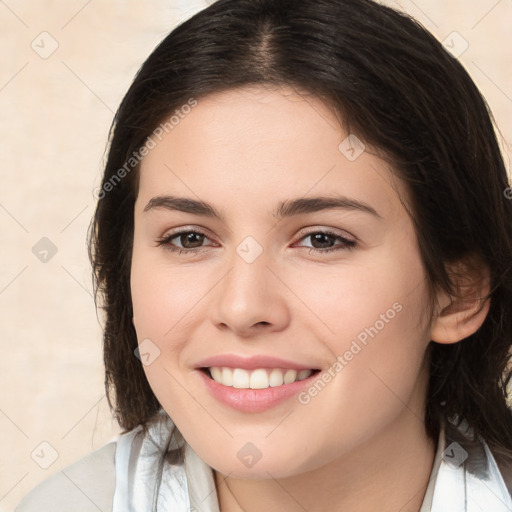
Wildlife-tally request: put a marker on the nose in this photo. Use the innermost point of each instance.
(250, 299)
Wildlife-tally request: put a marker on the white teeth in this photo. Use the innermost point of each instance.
(290, 376)
(303, 374)
(227, 376)
(256, 379)
(240, 378)
(276, 378)
(259, 379)
(216, 373)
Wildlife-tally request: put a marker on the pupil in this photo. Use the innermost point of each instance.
(191, 240)
(321, 240)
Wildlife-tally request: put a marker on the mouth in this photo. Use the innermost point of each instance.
(259, 378)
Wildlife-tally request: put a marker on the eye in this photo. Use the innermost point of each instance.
(184, 241)
(191, 240)
(326, 241)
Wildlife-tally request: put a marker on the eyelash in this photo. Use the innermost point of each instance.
(165, 241)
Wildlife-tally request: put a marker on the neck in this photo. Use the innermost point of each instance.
(389, 472)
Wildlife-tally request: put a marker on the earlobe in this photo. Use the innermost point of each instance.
(461, 316)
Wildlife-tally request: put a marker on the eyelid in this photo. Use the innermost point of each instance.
(187, 229)
(328, 231)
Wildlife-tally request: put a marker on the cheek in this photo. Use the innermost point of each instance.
(169, 306)
(164, 302)
(372, 320)
(383, 295)
(163, 296)
(378, 347)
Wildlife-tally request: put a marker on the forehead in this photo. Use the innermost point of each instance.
(250, 147)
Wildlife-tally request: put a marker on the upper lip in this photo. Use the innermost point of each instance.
(250, 363)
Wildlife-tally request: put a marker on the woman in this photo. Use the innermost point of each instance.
(302, 246)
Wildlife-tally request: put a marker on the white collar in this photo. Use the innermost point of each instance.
(466, 477)
(158, 471)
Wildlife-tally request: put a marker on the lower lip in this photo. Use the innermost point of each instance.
(254, 400)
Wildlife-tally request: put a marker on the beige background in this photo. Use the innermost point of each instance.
(55, 114)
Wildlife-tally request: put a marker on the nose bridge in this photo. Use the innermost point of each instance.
(249, 294)
(247, 280)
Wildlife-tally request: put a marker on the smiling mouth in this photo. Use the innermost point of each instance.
(260, 378)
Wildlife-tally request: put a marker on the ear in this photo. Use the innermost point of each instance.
(460, 316)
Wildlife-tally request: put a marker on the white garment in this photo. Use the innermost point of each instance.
(159, 471)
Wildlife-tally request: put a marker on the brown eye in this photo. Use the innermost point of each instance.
(322, 240)
(185, 241)
(191, 240)
(326, 241)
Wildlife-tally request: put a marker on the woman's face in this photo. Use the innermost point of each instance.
(262, 231)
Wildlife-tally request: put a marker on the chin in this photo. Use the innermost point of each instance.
(262, 469)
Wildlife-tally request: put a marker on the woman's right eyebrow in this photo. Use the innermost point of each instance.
(183, 204)
(288, 208)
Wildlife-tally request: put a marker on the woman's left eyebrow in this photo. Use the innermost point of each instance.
(305, 205)
(287, 208)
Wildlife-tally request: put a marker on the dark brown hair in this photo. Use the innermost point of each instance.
(398, 89)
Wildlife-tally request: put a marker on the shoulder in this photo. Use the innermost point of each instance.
(85, 486)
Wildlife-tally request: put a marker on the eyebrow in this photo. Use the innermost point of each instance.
(287, 208)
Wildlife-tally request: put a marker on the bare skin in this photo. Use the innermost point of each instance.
(360, 443)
